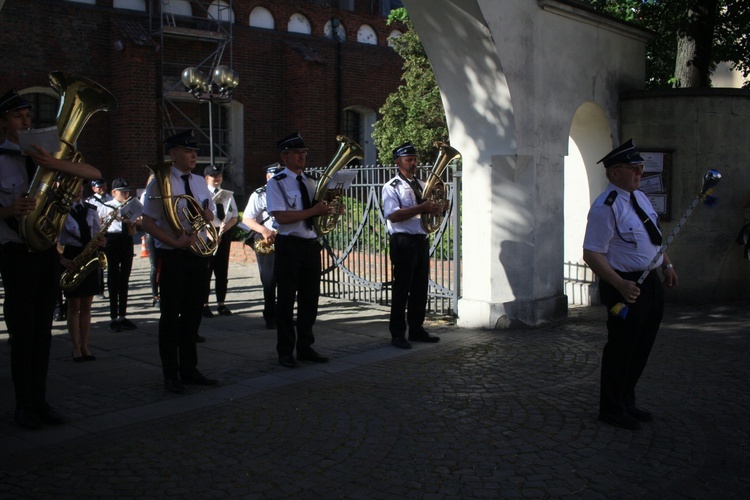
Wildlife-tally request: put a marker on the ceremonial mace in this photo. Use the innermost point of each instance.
(710, 180)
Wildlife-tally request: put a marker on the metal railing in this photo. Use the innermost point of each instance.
(579, 282)
(356, 262)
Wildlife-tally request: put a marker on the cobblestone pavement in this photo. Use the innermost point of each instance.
(482, 414)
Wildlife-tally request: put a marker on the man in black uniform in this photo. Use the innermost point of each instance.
(290, 194)
(257, 218)
(184, 274)
(410, 249)
(622, 239)
(30, 279)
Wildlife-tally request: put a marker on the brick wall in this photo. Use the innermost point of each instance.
(288, 82)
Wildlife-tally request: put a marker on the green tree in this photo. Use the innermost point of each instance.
(415, 111)
(691, 37)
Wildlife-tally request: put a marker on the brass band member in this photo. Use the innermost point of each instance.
(410, 249)
(119, 251)
(30, 279)
(184, 274)
(289, 194)
(225, 217)
(257, 218)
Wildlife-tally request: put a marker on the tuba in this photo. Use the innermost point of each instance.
(91, 257)
(434, 189)
(54, 191)
(348, 150)
(207, 236)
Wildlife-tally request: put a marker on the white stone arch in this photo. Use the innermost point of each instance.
(219, 10)
(299, 23)
(177, 8)
(590, 139)
(260, 17)
(366, 34)
(139, 5)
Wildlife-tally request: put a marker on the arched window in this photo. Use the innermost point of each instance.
(139, 5)
(44, 103)
(219, 10)
(261, 17)
(298, 23)
(392, 36)
(365, 34)
(334, 27)
(177, 8)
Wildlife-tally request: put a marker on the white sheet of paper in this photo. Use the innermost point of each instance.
(46, 138)
(342, 179)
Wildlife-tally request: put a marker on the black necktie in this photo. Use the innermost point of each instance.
(417, 188)
(186, 178)
(305, 199)
(651, 229)
(79, 215)
(220, 212)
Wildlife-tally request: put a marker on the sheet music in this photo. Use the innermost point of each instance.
(342, 179)
(46, 138)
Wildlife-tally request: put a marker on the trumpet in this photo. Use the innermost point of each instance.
(207, 236)
(91, 257)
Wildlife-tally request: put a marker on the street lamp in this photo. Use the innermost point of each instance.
(220, 85)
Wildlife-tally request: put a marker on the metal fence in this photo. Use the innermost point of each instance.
(356, 262)
(579, 283)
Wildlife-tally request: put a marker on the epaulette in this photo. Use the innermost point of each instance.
(4, 151)
(261, 189)
(88, 205)
(611, 197)
(395, 182)
(279, 176)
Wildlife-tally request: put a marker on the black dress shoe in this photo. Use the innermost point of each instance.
(49, 416)
(423, 336)
(89, 357)
(401, 343)
(199, 339)
(197, 378)
(114, 325)
(28, 419)
(625, 421)
(311, 355)
(126, 324)
(224, 311)
(207, 312)
(288, 361)
(640, 415)
(174, 385)
(78, 359)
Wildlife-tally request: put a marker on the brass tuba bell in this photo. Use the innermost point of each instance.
(348, 151)
(434, 189)
(54, 191)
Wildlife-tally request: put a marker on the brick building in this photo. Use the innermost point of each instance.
(320, 67)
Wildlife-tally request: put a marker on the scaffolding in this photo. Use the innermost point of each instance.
(195, 34)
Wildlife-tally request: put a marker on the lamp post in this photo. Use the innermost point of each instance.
(220, 85)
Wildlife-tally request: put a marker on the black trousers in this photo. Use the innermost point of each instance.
(31, 282)
(297, 269)
(219, 268)
(410, 257)
(629, 342)
(154, 266)
(183, 282)
(268, 280)
(119, 251)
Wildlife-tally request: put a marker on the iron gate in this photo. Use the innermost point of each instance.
(356, 263)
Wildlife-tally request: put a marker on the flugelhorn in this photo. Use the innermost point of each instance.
(434, 189)
(207, 237)
(54, 191)
(348, 151)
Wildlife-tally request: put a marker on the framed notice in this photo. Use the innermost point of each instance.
(656, 181)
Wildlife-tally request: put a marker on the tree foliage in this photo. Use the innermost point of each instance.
(691, 37)
(415, 111)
